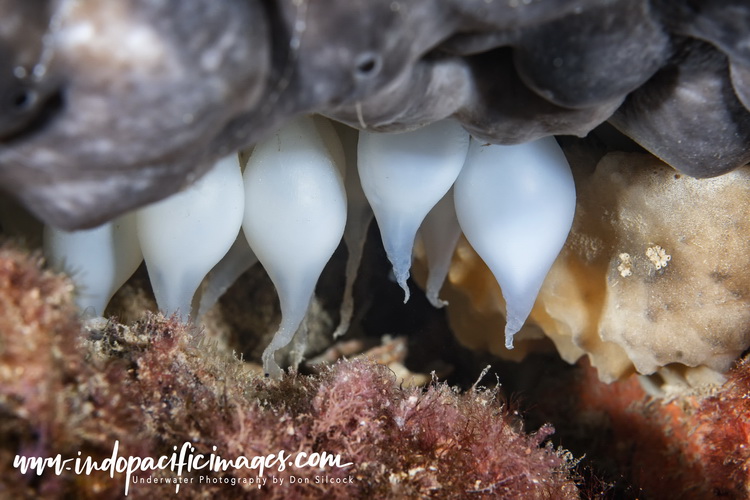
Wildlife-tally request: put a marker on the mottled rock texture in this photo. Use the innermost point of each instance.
(110, 106)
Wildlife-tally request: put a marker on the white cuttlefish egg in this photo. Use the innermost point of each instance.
(99, 260)
(515, 204)
(237, 260)
(358, 218)
(185, 235)
(295, 215)
(439, 232)
(403, 176)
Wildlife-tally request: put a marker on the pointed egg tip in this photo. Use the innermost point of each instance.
(270, 368)
(436, 301)
(399, 254)
(511, 328)
(401, 278)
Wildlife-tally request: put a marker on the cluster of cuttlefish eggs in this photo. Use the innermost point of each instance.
(314, 182)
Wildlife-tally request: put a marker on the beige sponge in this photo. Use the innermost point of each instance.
(655, 272)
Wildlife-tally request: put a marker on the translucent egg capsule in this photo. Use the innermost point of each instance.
(294, 218)
(99, 260)
(358, 218)
(237, 260)
(184, 236)
(439, 232)
(515, 204)
(403, 176)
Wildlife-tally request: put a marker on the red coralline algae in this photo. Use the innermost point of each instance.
(691, 447)
(156, 384)
(722, 433)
